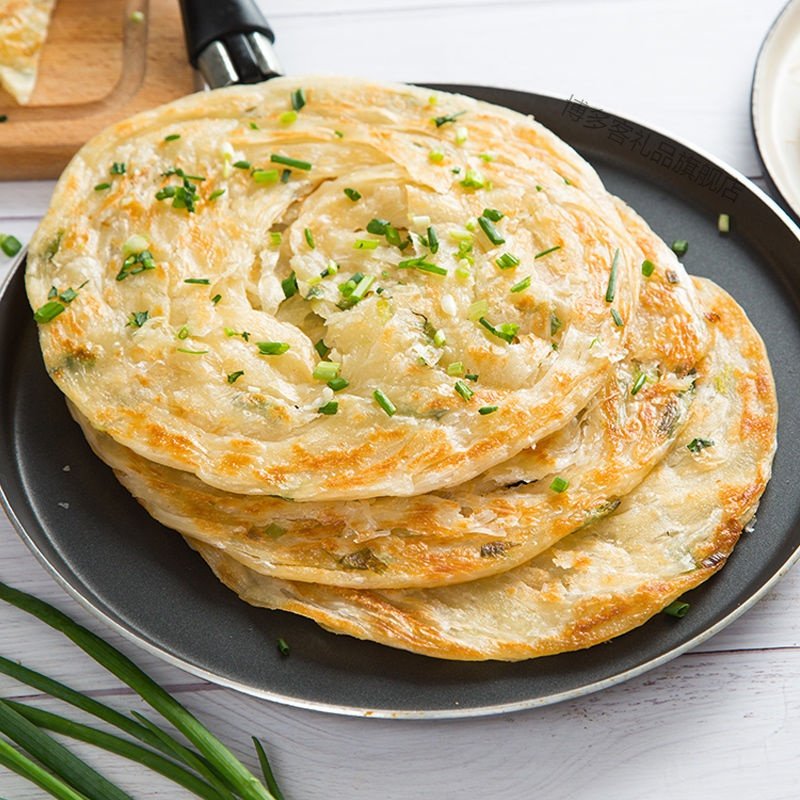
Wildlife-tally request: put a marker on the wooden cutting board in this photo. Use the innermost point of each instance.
(100, 63)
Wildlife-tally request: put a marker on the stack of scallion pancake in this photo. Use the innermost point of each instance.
(395, 360)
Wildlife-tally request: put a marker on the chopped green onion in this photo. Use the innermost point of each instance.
(200, 281)
(507, 261)
(647, 268)
(677, 608)
(138, 318)
(493, 214)
(462, 134)
(285, 175)
(548, 251)
(617, 318)
(288, 117)
(524, 284)
(215, 194)
(724, 223)
(353, 194)
(440, 338)
(289, 285)
(309, 236)
(555, 323)
(484, 410)
(265, 175)
(118, 168)
(433, 241)
(384, 402)
(507, 331)
(275, 238)
(9, 244)
(298, 99)
(640, 381)
(377, 226)
(436, 156)
(338, 383)
(68, 295)
(330, 408)
(191, 352)
(216, 298)
(559, 484)
(321, 348)
(422, 265)
(480, 308)
(242, 164)
(172, 137)
(362, 287)
(365, 244)
(612, 278)
(439, 121)
(272, 348)
(234, 376)
(471, 376)
(326, 370)
(276, 158)
(49, 311)
(472, 180)
(464, 390)
(679, 247)
(101, 187)
(490, 231)
(696, 445)
(254, 126)
(283, 648)
(456, 368)
(487, 157)
(338, 134)
(183, 333)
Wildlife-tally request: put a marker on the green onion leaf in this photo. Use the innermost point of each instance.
(617, 318)
(288, 117)
(326, 370)
(679, 247)
(493, 214)
(269, 778)
(216, 298)
(524, 284)
(696, 445)
(275, 239)
(241, 164)
(183, 333)
(436, 156)
(384, 402)
(559, 484)
(276, 158)
(330, 408)
(724, 223)
(365, 244)
(490, 231)
(198, 281)
(433, 241)
(272, 348)
(321, 348)
(507, 261)
(215, 194)
(10, 245)
(190, 352)
(265, 175)
(172, 137)
(377, 226)
(640, 381)
(309, 238)
(362, 287)
(339, 383)
(456, 368)
(11, 758)
(507, 331)
(101, 187)
(138, 318)
(422, 265)
(353, 194)
(473, 180)
(548, 251)
(118, 168)
(298, 99)
(611, 291)
(555, 323)
(289, 285)
(471, 376)
(49, 311)
(677, 608)
(647, 268)
(234, 376)
(484, 410)
(464, 390)
(439, 121)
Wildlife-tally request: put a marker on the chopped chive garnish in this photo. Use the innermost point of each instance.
(216, 298)
(456, 368)
(559, 484)
(68, 295)
(9, 244)
(640, 381)
(647, 268)
(611, 291)
(254, 126)
(234, 376)
(365, 244)
(283, 648)
(548, 251)
(298, 99)
(491, 232)
(118, 168)
(679, 247)
(285, 175)
(493, 214)
(309, 236)
(265, 175)
(276, 158)
(377, 226)
(524, 284)
(215, 194)
(191, 352)
(101, 187)
(507, 331)
(138, 318)
(617, 318)
(464, 390)
(326, 370)
(507, 261)
(472, 180)
(321, 348)
(422, 265)
(183, 333)
(330, 408)
(172, 137)
(555, 324)
(696, 445)
(338, 134)
(288, 117)
(487, 157)
(272, 348)
(200, 281)
(462, 134)
(393, 236)
(242, 164)
(361, 288)
(384, 402)
(338, 383)
(353, 194)
(49, 311)
(484, 410)
(471, 376)
(52, 293)
(439, 121)
(433, 241)
(289, 285)
(724, 223)
(677, 608)
(436, 156)
(275, 238)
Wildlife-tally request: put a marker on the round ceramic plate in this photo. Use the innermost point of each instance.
(144, 581)
(775, 105)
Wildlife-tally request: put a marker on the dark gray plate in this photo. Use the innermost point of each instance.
(144, 581)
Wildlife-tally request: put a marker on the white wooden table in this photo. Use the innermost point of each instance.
(722, 721)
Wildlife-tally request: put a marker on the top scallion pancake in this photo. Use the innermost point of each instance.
(201, 260)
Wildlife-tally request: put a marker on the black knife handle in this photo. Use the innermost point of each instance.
(205, 21)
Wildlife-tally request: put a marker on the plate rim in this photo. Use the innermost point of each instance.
(83, 596)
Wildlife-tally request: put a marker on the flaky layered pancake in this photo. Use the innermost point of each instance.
(324, 303)
(23, 30)
(667, 536)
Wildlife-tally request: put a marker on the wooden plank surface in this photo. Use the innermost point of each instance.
(720, 722)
